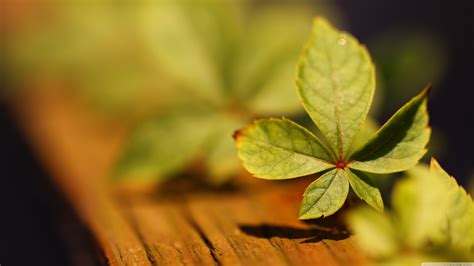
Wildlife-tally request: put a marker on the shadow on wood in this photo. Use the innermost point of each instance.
(313, 234)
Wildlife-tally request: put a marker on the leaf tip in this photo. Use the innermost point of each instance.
(320, 20)
(240, 133)
(434, 164)
(307, 216)
(427, 90)
(380, 207)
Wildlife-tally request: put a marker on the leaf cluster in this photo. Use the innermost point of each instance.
(336, 84)
(432, 219)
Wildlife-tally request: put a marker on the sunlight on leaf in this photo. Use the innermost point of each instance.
(336, 81)
(433, 218)
(266, 153)
(400, 143)
(443, 215)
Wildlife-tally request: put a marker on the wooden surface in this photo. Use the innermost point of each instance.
(181, 223)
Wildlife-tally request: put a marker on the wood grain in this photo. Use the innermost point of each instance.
(251, 222)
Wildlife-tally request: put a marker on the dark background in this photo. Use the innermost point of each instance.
(39, 228)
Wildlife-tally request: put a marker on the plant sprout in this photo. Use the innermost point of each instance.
(336, 83)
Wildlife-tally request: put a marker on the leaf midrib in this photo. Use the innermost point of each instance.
(336, 90)
(334, 174)
(366, 190)
(381, 143)
(291, 151)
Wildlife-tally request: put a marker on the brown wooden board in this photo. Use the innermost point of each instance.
(251, 222)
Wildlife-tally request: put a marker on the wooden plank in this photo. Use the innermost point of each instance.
(262, 228)
(253, 222)
(167, 234)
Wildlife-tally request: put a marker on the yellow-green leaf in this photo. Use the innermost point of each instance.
(413, 220)
(400, 143)
(365, 189)
(431, 219)
(458, 221)
(281, 149)
(325, 196)
(336, 82)
(433, 209)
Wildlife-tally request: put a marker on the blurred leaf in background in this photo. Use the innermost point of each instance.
(154, 60)
(431, 219)
(93, 47)
(233, 58)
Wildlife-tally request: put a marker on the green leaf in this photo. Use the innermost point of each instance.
(374, 232)
(413, 221)
(458, 221)
(365, 189)
(432, 209)
(281, 149)
(432, 219)
(400, 143)
(164, 146)
(325, 196)
(336, 82)
(336, 86)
